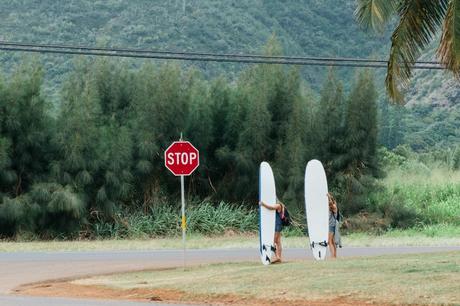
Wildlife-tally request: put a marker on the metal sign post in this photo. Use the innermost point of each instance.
(182, 158)
(184, 221)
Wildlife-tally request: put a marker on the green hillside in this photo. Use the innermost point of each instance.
(308, 27)
(316, 28)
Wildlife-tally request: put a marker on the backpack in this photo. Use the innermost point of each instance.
(339, 216)
(286, 218)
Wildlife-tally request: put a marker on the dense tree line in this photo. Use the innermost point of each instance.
(102, 150)
(303, 27)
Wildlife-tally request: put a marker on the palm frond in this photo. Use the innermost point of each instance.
(449, 48)
(419, 21)
(374, 14)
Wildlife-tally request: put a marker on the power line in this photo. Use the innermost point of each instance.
(207, 57)
(115, 49)
(210, 59)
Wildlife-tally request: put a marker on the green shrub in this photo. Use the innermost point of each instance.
(12, 213)
(456, 159)
(392, 207)
(390, 158)
(366, 222)
(59, 210)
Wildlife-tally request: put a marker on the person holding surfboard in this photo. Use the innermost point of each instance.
(333, 224)
(279, 208)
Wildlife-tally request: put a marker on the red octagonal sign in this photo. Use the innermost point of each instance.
(182, 158)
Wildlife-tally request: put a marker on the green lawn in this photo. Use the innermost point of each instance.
(400, 279)
(428, 236)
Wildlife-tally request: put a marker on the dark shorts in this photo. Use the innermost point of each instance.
(332, 229)
(332, 222)
(278, 223)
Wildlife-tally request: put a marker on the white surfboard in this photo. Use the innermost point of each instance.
(267, 194)
(316, 208)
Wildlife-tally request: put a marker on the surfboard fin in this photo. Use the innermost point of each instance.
(273, 248)
(264, 247)
(323, 243)
(268, 259)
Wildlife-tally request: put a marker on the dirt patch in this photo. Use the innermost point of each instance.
(67, 289)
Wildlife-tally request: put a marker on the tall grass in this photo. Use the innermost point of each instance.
(209, 219)
(165, 220)
(413, 196)
(433, 196)
(203, 218)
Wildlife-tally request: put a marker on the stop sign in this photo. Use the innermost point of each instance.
(182, 158)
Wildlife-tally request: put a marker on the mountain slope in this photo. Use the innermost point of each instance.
(315, 28)
(307, 27)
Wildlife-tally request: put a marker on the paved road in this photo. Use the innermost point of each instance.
(22, 268)
(9, 300)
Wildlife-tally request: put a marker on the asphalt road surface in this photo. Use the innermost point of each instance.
(23, 268)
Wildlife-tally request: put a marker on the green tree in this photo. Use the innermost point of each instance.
(227, 155)
(254, 143)
(391, 124)
(221, 96)
(293, 150)
(256, 118)
(12, 214)
(26, 150)
(25, 131)
(114, 85)
(5, 173)
(330, 125)
(199, 130)
(159, 116)
(78, 135)
(418, 24)
(95, 137)
(360, 146)
(54, 211)
(397, 126)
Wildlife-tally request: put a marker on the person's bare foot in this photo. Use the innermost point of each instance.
(277, 260)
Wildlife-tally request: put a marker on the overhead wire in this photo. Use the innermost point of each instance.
(204, 56)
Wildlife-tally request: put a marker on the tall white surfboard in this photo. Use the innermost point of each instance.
(316, 208)
(267, 194)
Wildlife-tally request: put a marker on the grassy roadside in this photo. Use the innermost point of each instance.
(396, 279)
(438, 235)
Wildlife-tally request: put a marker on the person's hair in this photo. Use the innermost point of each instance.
(279, 202)
(331, 200)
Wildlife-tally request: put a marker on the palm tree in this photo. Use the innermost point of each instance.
(418, 22)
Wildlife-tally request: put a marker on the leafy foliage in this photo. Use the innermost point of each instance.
(101, 156)
(374, 14)
(418, 24)
(26, 129)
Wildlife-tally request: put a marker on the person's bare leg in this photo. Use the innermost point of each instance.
(332, 246)
(278, 246)
(279, 249)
